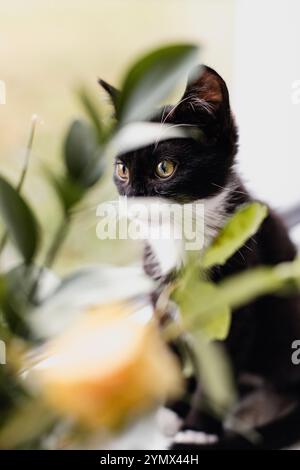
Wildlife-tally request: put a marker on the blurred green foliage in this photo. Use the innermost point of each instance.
(205, 307)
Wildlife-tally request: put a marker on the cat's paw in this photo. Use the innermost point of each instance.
(169, 422)
(194, 437)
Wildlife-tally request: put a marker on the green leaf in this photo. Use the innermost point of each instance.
(15, 304)
(20, 221)
(215, 375)
(242, 225)
(217, 325)
(193, 294)
(27, 422)
(92, 285)
(93, 113)
(68, 191)
(214, 326)
(151, 79)
(83, 155)
(240, 289)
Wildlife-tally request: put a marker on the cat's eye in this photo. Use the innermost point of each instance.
(122, 171)
(165, 169)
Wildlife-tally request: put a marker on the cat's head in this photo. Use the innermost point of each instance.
(187, 169)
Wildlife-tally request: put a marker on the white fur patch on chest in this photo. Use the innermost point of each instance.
(210, 215)
(215, 213)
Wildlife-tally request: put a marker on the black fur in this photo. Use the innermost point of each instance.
(202, 167)
(261, 334)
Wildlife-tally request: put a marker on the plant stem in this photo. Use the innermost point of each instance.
(57, 241)
(28, 152)
(51, 254)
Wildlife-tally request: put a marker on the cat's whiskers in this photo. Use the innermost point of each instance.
(232, 189)
(157, 142)
(163, 120)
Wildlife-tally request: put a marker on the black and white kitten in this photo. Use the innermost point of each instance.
(261, 334)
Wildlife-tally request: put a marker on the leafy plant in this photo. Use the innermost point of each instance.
(142, 90)
(87, 147)
(30, 316)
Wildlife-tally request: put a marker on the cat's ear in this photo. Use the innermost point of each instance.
(110, 90)
(205, 100)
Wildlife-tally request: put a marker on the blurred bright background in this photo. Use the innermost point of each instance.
(49, 49)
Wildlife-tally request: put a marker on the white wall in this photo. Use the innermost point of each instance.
(266, 64)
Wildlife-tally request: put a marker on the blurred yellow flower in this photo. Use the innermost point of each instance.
(111, 365)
